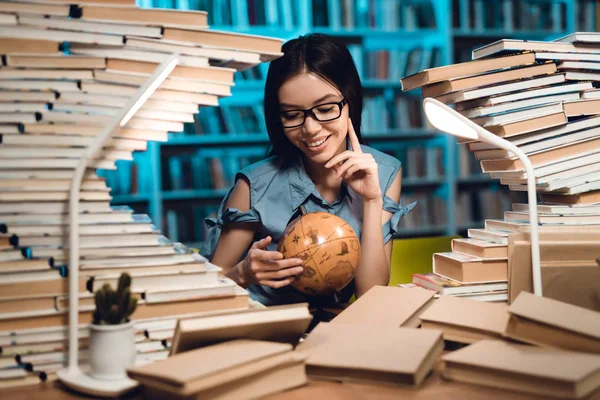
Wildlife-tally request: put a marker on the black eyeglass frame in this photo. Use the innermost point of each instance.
(309, 111)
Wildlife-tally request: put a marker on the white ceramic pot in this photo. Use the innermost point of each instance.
(112, 350)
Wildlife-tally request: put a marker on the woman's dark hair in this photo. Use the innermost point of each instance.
(321, 55)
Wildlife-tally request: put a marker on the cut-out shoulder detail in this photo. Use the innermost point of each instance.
(240, 195)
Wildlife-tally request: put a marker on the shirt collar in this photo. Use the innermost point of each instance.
(302, 187)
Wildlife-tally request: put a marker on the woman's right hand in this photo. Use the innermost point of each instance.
(268, 268)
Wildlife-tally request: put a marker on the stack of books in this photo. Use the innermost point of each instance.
(475, 269)
(236, 369)
(68, 70)
(540, 96)
(563, 348)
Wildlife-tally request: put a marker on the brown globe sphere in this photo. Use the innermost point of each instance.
(330, 250)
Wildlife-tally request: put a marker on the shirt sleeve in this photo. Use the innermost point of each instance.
(392, 226)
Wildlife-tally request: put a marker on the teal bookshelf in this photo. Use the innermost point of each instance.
(388, 40)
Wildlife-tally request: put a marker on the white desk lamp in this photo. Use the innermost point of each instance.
(448, 120)
(72, 376)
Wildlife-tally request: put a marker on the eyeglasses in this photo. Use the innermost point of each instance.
(322, 113)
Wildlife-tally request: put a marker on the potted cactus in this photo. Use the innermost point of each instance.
(112, 342)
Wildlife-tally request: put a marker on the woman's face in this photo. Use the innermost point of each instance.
(319, 141)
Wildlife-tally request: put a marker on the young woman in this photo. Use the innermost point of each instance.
(313, 105)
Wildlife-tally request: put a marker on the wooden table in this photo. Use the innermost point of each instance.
(434, 388)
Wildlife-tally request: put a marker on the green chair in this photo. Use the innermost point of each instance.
(413, 256)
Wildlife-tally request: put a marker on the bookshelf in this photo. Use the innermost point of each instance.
(180, 182)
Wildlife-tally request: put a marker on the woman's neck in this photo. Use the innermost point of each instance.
(320, 175)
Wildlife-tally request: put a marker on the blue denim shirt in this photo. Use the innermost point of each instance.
(277, 190)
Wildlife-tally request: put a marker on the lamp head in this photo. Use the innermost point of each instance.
(447, 120)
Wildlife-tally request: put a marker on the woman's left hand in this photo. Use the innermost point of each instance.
(359, 170)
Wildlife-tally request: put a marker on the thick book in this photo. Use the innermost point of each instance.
(184, 85)
(136, 55)
(559, 209)
(528, 94)
(26, 265)
(466, 268)
(208, 74)
(49, 318)
(162, 249)
(543, 219)
(375, 356)
(464, 320)
(528, 148)
(530, 369)
(160, 94)
(85, 131)
(519, 115)
(284, 324)
(437, 74)
(379, 307)
(544, 157)
(540, 55)
(579, 65)
(120, 101)
(237, 369)
(529, 125)
(515, 45)
(479, 248)
(144, 16)
(547, 322)
(27, 32)
(206, 273)
(469, 82)
(514, 106)
(26, 139)
(501, 88)
(580, 37)
(8, 46)
(205, 37)
(582, 198)
(61, 10)
(73, 24)
(449, 287)
(223, 287)
(576, 108)
(231, 58)
(488, 235)
(541, 136)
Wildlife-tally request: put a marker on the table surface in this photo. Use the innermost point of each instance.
(434, 387)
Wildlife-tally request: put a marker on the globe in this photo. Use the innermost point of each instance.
(329, 248)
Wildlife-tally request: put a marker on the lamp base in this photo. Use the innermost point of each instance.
(76, 379)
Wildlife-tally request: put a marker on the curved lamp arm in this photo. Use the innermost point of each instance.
(450, 121)
(144, 92)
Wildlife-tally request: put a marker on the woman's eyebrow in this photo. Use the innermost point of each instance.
(317, 101)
